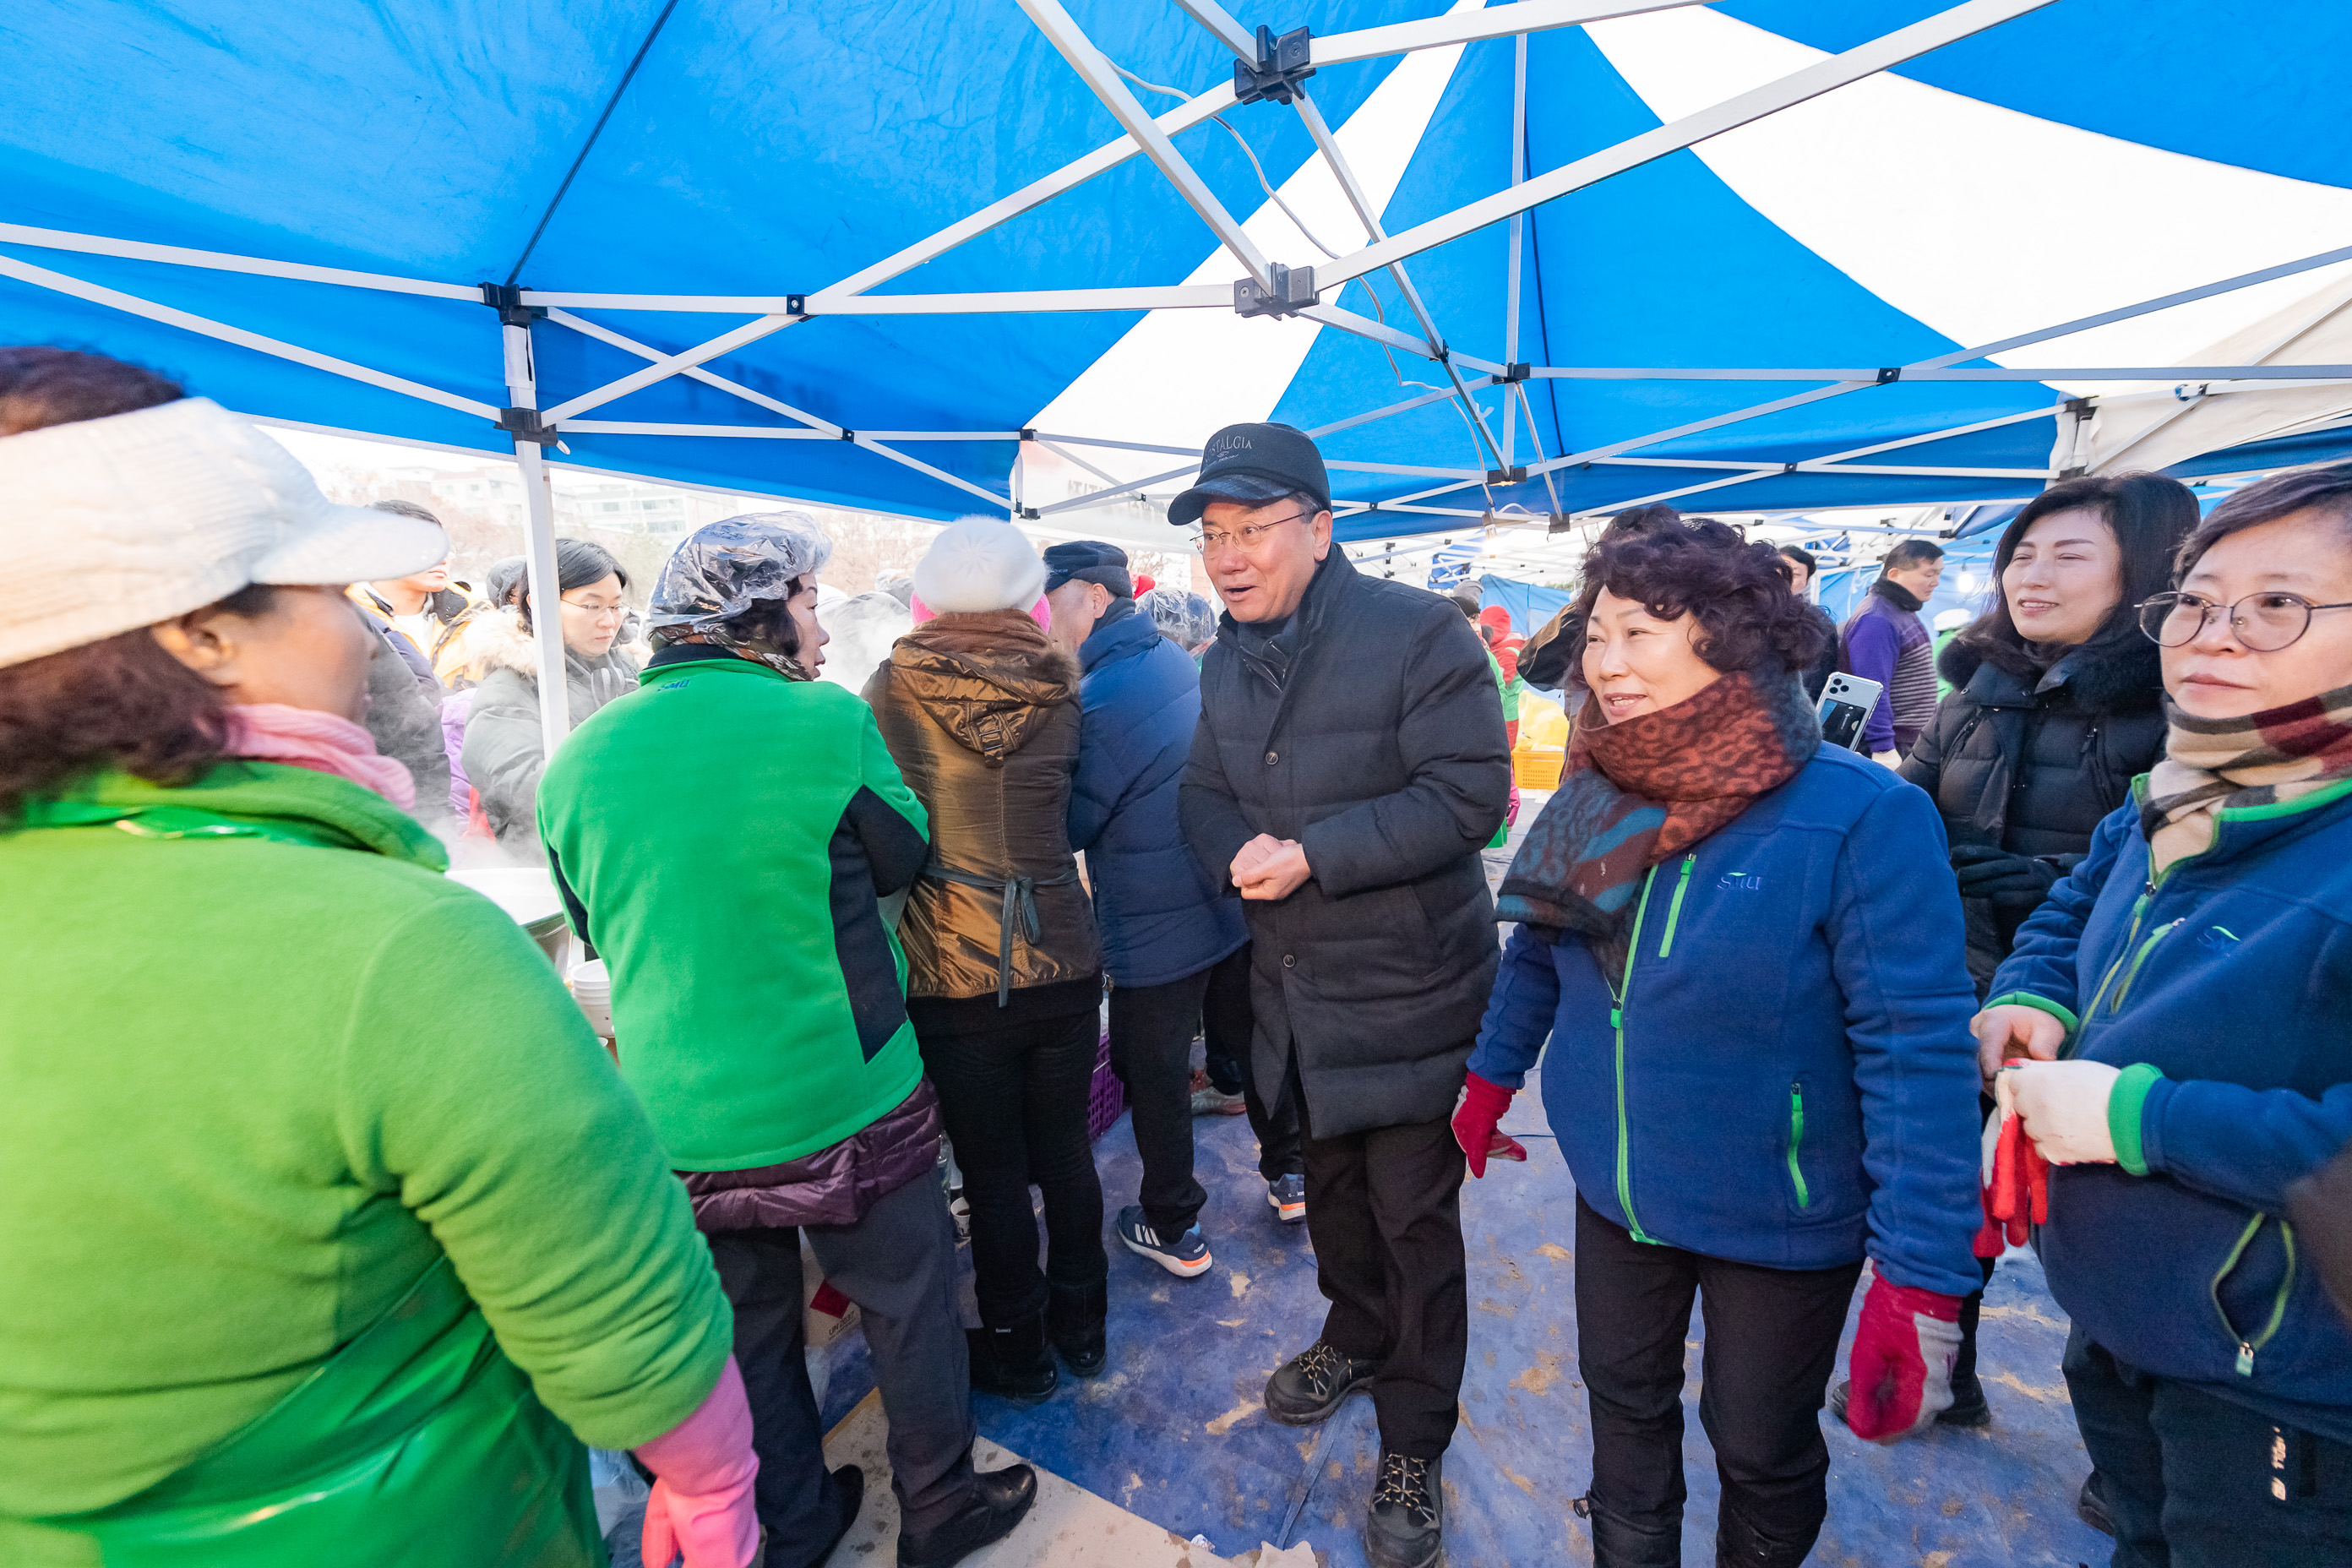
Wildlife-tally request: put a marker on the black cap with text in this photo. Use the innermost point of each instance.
(1253, 464)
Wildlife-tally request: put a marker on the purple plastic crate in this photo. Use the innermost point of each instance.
(1106, 1097)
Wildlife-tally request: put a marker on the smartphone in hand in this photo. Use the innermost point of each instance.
(1846, 702)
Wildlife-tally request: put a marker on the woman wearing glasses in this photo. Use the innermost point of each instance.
(2179, 1004)
(504, 751)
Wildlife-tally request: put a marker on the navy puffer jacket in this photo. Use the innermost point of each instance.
(1162, 917)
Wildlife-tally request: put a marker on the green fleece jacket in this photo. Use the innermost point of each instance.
(723, 837)
(263, 1068)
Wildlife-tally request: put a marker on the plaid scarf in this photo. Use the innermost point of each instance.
(2228, 765)
(1642, 791)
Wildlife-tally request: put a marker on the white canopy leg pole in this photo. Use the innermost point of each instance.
(539, 549)
(1511, 293)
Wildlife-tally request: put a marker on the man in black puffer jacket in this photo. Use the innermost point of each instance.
(1348, 766)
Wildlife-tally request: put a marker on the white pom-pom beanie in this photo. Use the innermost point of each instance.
(979, 563)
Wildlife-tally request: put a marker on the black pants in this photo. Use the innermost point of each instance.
(2194, 1481)
(1384, 1212)
(899, 1264)
(1151, 1051)
(1014, 1100)
(1771, 1344)
(1227, 1022)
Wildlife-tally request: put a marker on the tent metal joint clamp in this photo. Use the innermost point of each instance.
(524, 425)
(1889, 373)
(1515, 475)
(1523, 370)
(797, 305)
(506, 299)
(1282, 64)
(1293, 290)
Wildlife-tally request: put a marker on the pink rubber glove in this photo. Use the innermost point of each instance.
(703, 1469)
(1901, 1365)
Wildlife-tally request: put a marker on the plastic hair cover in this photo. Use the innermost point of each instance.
(723, 568)
(1186, 617)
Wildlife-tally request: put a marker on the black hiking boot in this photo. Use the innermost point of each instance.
(1307, 1387)
(1405, 1526)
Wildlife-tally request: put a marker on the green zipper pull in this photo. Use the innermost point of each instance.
(2245, 1359)
(1616, 1017)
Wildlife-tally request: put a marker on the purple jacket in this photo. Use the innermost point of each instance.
(1890, 645)
(834, 1186)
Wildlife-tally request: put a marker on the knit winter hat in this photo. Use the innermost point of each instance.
(979, 563)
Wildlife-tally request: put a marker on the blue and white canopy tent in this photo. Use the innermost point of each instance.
(1514, 264)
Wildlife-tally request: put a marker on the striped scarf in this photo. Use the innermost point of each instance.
(2212, 765)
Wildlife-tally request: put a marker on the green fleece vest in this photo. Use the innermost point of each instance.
(264, 1067)
(693, 824)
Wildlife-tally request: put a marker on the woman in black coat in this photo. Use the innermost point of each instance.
(2056, 702)
(2056, 706)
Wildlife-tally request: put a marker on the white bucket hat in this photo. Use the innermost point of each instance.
(121, 522)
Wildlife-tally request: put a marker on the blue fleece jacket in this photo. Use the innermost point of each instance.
(1161, 916)
(1789, 1078)
(2222, 990)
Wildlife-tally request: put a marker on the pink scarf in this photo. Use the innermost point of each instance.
(306, 738)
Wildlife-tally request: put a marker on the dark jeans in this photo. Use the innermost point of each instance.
(1151, 1051)
(1227, 1022)
(2196, 1481)
(899, 1264)
(1384, 1214)
(1771, 1344)
(1014, 1096)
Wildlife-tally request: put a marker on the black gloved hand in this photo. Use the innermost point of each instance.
(1986, 872)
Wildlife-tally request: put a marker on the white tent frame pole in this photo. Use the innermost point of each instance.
(131, 305)
(1358, 199)
(1103, 498)
(1824, 76)
(1940, 362)
(1470, 26)
(819, 427)
(2258, 371)
(1424, 401)
(2309, 321)
(1230, 33)
(221, 261)
(1511, 283)
(1102, 79)
(539, 548)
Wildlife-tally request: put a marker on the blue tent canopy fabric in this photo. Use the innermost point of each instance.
(743, 152)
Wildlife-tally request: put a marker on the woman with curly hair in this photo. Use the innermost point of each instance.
(1747, 953)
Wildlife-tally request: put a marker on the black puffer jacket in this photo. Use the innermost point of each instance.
(1382, 751)
(2030, 762)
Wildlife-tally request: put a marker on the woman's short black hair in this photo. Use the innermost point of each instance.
(2149, 514)
(1747, 618)
(1803, 558)
(578, 563)
(2326, 488)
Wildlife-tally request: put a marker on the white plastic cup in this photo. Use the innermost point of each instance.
(591, 987)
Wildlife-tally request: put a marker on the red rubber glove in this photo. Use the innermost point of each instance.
(1481, 1106)
(1901, 1368)
(703, 1469)
(2016, 1186)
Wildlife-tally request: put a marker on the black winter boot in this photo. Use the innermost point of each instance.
(1074, 1317)
(1405, 1526)
(1308, 1386)
(1619, 1542)
(1014, 1363)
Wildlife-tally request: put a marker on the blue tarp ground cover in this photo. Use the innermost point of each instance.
(763, 150)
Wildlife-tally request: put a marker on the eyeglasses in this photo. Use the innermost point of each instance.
(2263, 622)
(598, 612)
(1246, 539)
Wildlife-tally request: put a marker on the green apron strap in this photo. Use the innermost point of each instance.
(419, 1442)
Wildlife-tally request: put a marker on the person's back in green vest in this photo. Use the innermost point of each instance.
(720, 838)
